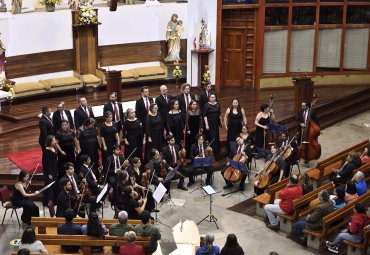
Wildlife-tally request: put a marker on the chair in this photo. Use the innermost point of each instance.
(7, 204)
(51, 208)
(111, 200)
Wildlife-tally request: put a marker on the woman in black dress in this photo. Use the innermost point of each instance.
(234, 120)
(122, 181)
(130, 205)
(109, 136)
(263, 118)
(133, 135)
(50, 170)
(175, 122)
(194, 125)
(212, 121)
(89, 142)
(66, 143)
(22, 199)
(154, 130)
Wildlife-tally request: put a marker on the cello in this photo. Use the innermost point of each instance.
(310, 148)
(263, 178)
(234, 175)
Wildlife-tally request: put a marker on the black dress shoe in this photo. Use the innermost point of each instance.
(228, 186)
(190, 183)
(182, 187)
(241, 189)
(155, 210)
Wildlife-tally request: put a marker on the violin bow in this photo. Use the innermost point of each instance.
(34, 171)
(151, 179)
(211, 142)
(106, 173)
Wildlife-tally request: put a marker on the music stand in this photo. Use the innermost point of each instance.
(100, 196)
(201, 163)
(158, 195)
(240, 166)
(171, 174)
(210, 191)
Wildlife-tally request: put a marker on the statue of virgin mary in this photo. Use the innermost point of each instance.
(173, 38)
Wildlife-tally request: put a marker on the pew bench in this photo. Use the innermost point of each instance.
(269, 197)
(359, 248)
(302, 207)
(333, 222)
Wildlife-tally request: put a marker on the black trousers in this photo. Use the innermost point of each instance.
(209, 171)
(30, 209)
(242, 181)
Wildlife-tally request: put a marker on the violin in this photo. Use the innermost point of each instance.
(208, 152)
(263, 178)
(101, 179)
(181, 157)
(163, 169)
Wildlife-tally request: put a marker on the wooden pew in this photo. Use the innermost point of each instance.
(325, 167)
(302, 207)
(269, 196)
(41, 223)
(359, 248)
(334, 222)
(365, 169)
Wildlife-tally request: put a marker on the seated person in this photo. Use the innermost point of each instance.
(130, 204)
(353, 233)
(145, 228)
(313, 220)
(283, 143)
(66, 199)
(131, 248)
(237, 148)
(208, 247)
(344, 174)
(306, 183)
(284, 203)
(338, 198)
(94, 228)
(23, 252)
(359, 180)
(69, 228)
(232, 246)
(365, 155)
(351, 192)
(120, 228)
(30, 242)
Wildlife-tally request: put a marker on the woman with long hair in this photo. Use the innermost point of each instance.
(263, 118)
(154, 130)
(194, 125)
(122, 181)
(212, 121)
(22, 199)
(133, 134)
(232, 246)
(50, 169)
(108, 136)
(30, 242)
(175, 122)
(94, 228)
(208, 248)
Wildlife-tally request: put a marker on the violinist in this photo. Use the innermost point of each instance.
(115, 163)
(198, 151)
(73, 177)
(276, 175)
(237, 147)
(291, 156)
(170, 154)
(66, 198)
(122, 181)
(301, 119)
(131, 205)
(159, 167)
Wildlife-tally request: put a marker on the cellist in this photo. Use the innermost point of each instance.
(238, 147)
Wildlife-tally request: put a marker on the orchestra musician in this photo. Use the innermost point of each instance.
(62, 115)
(66, 198)
(263, 118)
(116, 108)
(115, 163)
(73, 177)
(22, 199)
(282, 143)
(142, 105)
(82, 113)
(159, 167)
(185, 98)
(170, 154)
(50, 169)
(122, 181)
(46, 126)
(198, 151)
(238, 147)
(301, 119)
(164, 101)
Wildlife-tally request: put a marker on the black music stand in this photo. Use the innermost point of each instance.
(158, 195)
(99, 199)
(171, 174)
(240, 167)
(210, 191)
(201, 163)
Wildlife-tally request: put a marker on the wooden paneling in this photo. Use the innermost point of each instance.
(136, 52)
(39, 63)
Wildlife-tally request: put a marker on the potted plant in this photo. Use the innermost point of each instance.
(50, 4)
(206, 74)
(177, 74)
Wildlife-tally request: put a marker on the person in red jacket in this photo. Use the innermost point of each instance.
(283, 204)
(354, 231)
(131, 248)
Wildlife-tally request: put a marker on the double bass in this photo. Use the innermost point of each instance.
(310, 148)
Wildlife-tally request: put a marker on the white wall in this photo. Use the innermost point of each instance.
(198, 9)
(42, 31)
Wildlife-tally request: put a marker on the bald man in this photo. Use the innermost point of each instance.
(82, 113)
(164, 104)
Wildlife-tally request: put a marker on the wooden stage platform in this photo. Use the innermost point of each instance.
(334, 104)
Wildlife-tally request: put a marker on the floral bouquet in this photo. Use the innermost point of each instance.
(51, 2)
(87, 15)
(8, 86)
(207, 74)
(177, 72)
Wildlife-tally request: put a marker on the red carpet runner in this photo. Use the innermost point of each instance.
(27, 160)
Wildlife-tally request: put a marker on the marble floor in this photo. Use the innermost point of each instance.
(252, 233)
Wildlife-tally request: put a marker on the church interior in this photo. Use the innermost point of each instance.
(306, 61)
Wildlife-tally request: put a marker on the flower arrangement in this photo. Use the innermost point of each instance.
(177, 71)
(207, 74)
(8, 86)
(87, 15)
(51, 2)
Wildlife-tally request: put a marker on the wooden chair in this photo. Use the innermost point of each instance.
(7, 203)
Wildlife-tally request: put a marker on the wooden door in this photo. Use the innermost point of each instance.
(233, 49)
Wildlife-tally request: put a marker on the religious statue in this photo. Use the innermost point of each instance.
(16, 6)
(204, 36)
(2, 6)
(173, 37)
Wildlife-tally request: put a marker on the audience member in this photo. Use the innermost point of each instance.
(351, 192)
(232, 246)
(145, 228)
(131, 248)
(120, 228)
(69, 228)
(30, 242)
(359, 180)
(94, 228)
(306, 183)
(365, 155)
(344, 174)
(208, 248)
(338, 198)
(23, 252)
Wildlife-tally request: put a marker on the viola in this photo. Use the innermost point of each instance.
(163, 169)
(101, 179)
(181, 157)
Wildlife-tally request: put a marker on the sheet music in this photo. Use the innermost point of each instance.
(209, 190)
(100, 196)
(159, 192)
(46, 187)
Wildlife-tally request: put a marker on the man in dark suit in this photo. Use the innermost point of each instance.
(73, 177)
(66, 200)
(164, 104)
(170, 154)
(46, 126)
(283, 142)
(116, 109)
(197, 150)
(114, 163)
(203, 97)
(302, 116)
(82, 113)
(61, 115)
(69, 228)
(185, 98)
(142, 105)
(238, 147)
